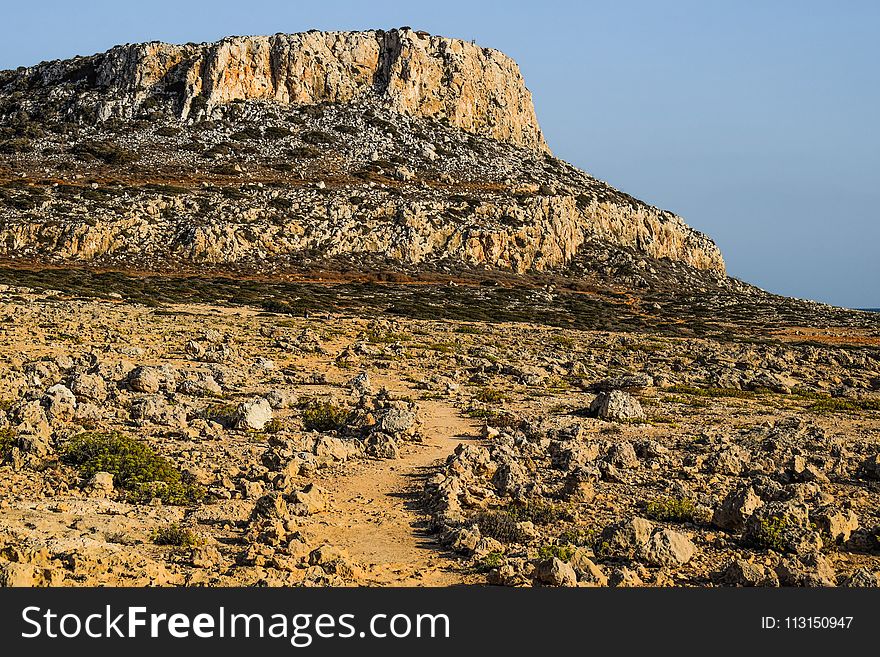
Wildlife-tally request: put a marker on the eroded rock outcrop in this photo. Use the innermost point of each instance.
(477, 89)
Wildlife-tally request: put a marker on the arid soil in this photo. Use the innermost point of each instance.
(339, 449)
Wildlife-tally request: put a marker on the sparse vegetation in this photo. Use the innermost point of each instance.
(490, 396)
(8, 440)
(671, 509)
(323, 416)
(770, 533)
(135, 467)
(175, 535)
(844, 405)
(550, 550)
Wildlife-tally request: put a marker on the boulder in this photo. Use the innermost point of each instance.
(736, 508)
(741, 572)
(145, 379)
(254, 414)
(60, 403)
(382, 446)
(666, 547)
(555, 572)
(309, 500)
(89, 386)
(617, 406)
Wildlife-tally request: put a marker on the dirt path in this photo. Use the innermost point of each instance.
(376, 516)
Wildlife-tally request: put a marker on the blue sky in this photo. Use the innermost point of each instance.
(756, 121)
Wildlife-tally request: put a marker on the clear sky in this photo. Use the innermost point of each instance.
(757, 121)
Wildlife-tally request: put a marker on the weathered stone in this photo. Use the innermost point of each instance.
(145, 379)
(272, 505)
(740, 572)
(617, 406)
(810, 569)
(627, 537)
(100, 485)
(309, 500)
(736, 508)
(784, 527)
(836, 524)
(381, 446)
(556, 572)
(60, 403)
(666, 547)
(89, 386)
(254, 414)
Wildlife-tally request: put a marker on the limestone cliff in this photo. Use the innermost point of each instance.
(477, 89)
(287, 151)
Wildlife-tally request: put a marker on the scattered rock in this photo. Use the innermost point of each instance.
(617, 406)
(254, 414)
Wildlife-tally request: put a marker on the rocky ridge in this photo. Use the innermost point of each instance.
(417, 150)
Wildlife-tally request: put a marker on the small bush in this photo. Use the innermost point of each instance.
(167, 131)
(501, 526)
(304, 152)
(107, 151)
(247, 133)
(843, 405)
(562, 552)
(497, 419)
(12, 146)
(490, 396)
(276, 132)
(770, 533)
(175, 535)
(316, 137)
(323, 416)
(8, 440)
(713, 392)
(135, 467)
(671, 509)
(219, 413)
(578, 537)
(539, 512)
(489, 562)
(274, 425)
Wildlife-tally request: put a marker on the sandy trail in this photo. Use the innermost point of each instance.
(376, 516)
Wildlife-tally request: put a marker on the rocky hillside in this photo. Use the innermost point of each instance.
(307, 150)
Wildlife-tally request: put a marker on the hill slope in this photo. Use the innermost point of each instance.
(290, 151)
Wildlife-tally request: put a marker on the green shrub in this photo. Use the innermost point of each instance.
(489, 562)
(323, 416)
(175, 535)
(8, 440)
(246, 133)
(490, 396)
(671, 509)
(135, 467)
(221, 413)
(274, 425)
(842, 405)
(493, 418)
(276, 132)
(315, 137)
(167, 131)
(578, 537)
(562, 552)
(12, 146)
(304, 152)
(770, 533)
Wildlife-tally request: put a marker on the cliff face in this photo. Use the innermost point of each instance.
(276, 151)
(479, 90)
